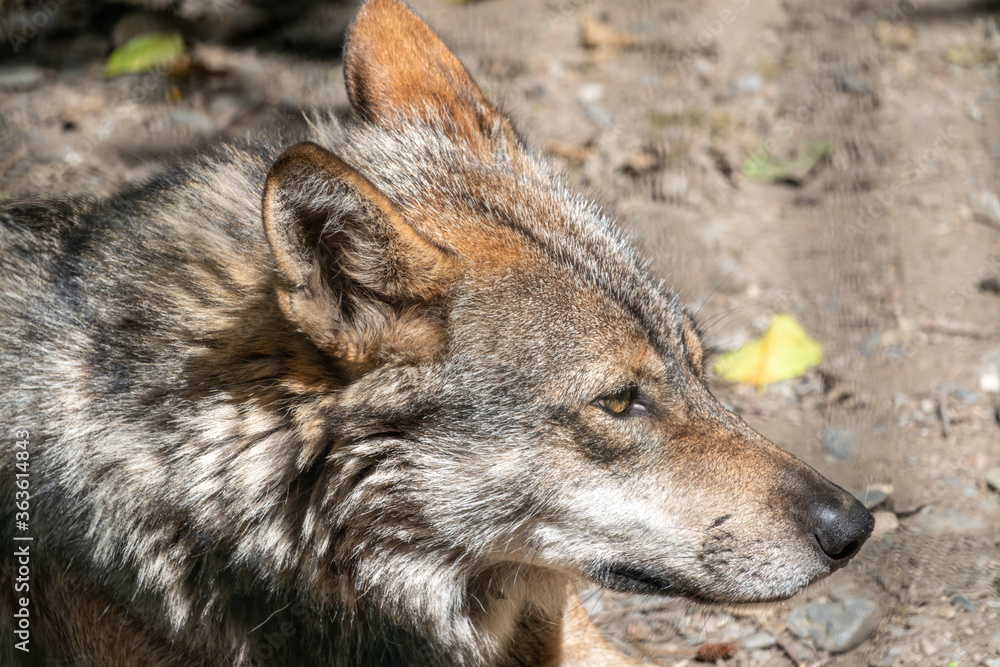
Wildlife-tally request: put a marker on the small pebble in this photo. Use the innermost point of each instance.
(758, 640)
(601, 35)
(598, 115)
(20, 78)
(841, 443)
(987, 203)
(965, 394)
(895, 35)
(885, 523)
(904, 504)
(835, 626)
(891, 654)
(932, 646)
(749, 83)
(872, 496)
(949, 522)
(965, 603)
(194, 120)
(850, 84)
(590, 93)
(993, 479)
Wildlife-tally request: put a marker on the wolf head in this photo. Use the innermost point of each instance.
(519, 398)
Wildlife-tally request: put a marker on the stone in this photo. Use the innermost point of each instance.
(885, 522)
(195, 120)
(590, 93)
(600, 35)
(993, 479)
(757, 641)
(873, 495)
(841, 443)
(965, 395)
(890, 655)
(949, 522)
(598, 115)
(854, 85)
(749, 83)
(835, 626)
(895, 35)
(20, 78)
(964, 602)
(986, 204)
(906, 503)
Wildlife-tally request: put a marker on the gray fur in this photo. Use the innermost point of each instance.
(213, 472)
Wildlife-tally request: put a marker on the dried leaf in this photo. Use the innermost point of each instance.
(715, 651)
(600, 35)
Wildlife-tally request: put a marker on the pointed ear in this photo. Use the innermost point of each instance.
(396, 68)
(352, 275)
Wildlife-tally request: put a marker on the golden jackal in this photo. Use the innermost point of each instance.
(378, 399)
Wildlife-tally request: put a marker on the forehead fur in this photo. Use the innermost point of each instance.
(502, 211)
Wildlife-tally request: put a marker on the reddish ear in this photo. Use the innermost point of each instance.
(354, 276)
(396, 68)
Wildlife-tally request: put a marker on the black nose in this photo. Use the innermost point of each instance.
(841, 525)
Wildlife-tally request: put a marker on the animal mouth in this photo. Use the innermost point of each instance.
(632, 578)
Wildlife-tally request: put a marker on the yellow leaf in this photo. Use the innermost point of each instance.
(145, 53)
(785, 351)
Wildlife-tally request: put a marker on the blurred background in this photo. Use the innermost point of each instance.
(834, 161)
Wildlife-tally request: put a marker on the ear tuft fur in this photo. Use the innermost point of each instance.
(352, 275)
(396, 69)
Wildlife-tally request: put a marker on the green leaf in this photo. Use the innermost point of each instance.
(795, 169)
(145, 53)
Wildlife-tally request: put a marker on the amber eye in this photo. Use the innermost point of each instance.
(619, 402)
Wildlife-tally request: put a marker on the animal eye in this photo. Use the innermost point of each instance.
(618, 403)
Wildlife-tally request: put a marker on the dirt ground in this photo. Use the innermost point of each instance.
(887, 251)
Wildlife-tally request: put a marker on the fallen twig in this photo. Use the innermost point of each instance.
(965, 331)
(943, 413)
(788, 652)
(986, 220)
